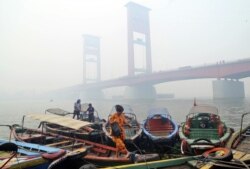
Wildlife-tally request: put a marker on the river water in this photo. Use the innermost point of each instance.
(12, 111)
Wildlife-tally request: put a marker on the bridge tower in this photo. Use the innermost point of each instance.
(138, 39)
(139, 50)
(91, 64)
(91, 59)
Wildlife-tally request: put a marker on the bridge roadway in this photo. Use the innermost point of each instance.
(230, 70)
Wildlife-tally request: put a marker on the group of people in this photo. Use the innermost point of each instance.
(78, 110)
(117, 122)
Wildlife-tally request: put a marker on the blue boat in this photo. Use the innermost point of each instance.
(15, 154)
(159, 126)
(18, 154)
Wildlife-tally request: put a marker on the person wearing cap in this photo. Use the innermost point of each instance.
(77, 109)
(119, 137)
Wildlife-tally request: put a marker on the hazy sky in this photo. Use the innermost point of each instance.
(41, 44)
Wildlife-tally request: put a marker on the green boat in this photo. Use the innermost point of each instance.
(203, 130)
(188, 162)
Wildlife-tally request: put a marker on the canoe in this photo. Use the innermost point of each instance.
(159, 126)
(187, 162)
(99, 154)
(133, 132)
(15, 154)
(67, 126)
(203, 130)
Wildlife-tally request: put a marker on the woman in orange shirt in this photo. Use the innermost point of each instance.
(117, 122)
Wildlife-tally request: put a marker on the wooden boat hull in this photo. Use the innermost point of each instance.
(239, 144)
(176, 163)
(92, 135)
(240, 140)
(97, 153)
(33, 156)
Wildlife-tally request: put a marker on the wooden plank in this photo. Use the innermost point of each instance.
(245, 157)
(207, 166)
(238, 154)
(71, 146)
(58, 143)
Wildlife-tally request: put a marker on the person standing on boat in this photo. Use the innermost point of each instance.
(91, 117)
(77, 109)
(117, 122)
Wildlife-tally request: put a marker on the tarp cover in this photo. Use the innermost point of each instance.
(60, 120)
(58, 111)
(204, 109)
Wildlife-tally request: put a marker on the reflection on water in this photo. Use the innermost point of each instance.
(230, 110)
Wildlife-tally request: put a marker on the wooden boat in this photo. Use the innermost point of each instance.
(225, 158)
(203, 130)
(239, 144)
(97, 125)
(83, 116)
(159, 126)
(63, 125)
(15, 154)
(132, 132)
(240, 140)
(98, 154)
(188, 162)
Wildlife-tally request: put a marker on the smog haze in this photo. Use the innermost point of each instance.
(41, 41)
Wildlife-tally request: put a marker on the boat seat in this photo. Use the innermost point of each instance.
(27, 137)
(29, 153)
(160, 128)
(71, 146)
(48, 138)
(159, 125)
(160, 131)
(59, 143)
(99, 150)
(203, 133)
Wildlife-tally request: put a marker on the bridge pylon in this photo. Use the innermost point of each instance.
(91, 66)
(228, 89)
(138, 38)
(139, 50)
(140, 92)
(91, 59)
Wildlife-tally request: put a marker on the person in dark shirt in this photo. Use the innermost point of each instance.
(91, 110)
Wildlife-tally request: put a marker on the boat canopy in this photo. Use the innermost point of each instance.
(58, 111)
(158, 110)
(60, 120)
(204, 109)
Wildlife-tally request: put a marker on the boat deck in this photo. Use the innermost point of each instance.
(236, 163)
(244, 145)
